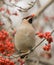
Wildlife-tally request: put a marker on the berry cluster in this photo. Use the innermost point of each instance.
(6, 61)
(6, 44)
(48, 37)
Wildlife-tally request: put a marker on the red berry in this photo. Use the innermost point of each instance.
(40, 35)
(47, 47)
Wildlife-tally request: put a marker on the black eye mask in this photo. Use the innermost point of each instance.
(30, 20)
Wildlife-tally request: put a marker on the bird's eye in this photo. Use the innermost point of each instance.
(30, 20)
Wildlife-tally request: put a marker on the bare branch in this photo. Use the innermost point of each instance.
(31, 4)
(43, 8)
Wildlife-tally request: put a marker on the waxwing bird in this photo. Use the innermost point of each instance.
(25, 36)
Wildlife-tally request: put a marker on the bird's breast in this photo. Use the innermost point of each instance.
(25, 38)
